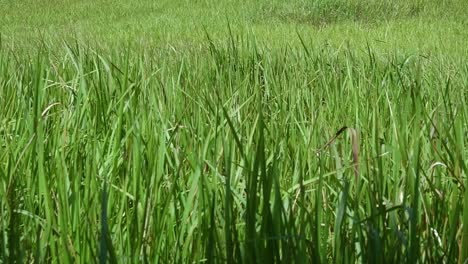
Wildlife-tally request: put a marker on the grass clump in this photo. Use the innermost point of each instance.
(232, 153)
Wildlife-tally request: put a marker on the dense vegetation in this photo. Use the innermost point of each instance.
(225, 145)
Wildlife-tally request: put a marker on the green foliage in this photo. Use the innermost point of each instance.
(223, 154)
(425, 27)
(233, 131)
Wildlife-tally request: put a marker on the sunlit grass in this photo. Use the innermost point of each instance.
(424, 27)
(232, 152)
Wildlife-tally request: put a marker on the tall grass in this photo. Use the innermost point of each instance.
(232, 153)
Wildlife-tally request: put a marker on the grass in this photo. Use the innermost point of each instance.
(215, 144)
(426, 27)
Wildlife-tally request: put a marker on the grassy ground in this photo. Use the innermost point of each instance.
(413, 26)
(331, 131)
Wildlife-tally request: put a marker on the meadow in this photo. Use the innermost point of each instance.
(233, 132)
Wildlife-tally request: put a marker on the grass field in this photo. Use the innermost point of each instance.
(226, 131)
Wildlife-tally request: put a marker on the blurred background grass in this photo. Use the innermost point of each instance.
(407, 26)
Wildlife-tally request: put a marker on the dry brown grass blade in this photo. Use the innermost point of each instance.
(354, 145)
(331, 140)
